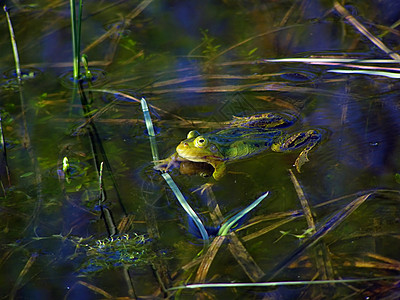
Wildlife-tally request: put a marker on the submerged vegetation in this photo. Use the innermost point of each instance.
(84, 120)
(116, 251)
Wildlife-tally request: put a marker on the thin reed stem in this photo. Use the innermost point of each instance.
(14, 44)
(76, 35)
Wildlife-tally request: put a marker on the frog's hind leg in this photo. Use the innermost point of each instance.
(307, 139)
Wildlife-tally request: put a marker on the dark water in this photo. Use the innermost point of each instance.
(198, 63)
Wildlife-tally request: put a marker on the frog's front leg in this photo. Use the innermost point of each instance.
(219, 169)
(307, 139)
(168, 163)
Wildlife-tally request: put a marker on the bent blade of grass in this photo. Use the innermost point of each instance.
(232, 221)
(178, 194)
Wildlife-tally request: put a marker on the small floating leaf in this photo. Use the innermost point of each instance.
(252, 51)
(26, 174)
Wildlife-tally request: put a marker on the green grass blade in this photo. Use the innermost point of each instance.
(75, 42)
(178, 194)
(150, 130)
(232, 221)
(182, 201)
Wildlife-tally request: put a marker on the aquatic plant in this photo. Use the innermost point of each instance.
(127, 250)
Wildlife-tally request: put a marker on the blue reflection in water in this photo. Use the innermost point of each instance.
(365, 132)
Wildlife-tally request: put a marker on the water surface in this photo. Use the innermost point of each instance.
(198, 64)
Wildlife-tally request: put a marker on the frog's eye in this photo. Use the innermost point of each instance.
(192, 134)
(200, 142)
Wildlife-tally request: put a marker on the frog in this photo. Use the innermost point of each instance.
(242, 138)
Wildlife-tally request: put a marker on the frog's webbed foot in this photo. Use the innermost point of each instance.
(307, 139)
(301, 160)
(162, 165)
(165, 164)
(311, 138)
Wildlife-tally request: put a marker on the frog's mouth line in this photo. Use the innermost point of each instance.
(205, 159)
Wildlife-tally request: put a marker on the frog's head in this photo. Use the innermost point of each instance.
(198, 148)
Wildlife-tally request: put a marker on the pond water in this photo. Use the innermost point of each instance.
(198, 64)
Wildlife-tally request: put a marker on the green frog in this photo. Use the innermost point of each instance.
(241, 138)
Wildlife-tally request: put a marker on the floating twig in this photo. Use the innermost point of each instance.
(303, 201)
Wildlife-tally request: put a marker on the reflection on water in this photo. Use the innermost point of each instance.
(198, 64)
(97, 78)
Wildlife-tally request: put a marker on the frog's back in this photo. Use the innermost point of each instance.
(240, 143)
(266, 121)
